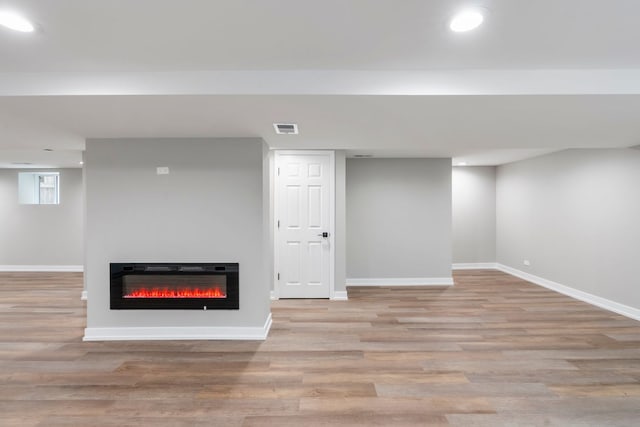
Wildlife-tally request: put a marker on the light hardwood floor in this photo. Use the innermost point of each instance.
(492, 350)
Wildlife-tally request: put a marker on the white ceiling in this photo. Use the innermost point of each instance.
(142, 35)
(81, 44)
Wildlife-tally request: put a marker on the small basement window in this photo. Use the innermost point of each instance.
(39, 188)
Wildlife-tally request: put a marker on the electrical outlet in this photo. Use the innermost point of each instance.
(526, 262)
(162, 170)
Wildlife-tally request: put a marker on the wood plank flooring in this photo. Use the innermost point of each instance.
(492, 350)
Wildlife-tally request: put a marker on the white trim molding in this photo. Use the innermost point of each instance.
(403, 281)
(474, 266)
(42, 268)
(258, 333)
(336, 296)
(607, 304)
(339, 296)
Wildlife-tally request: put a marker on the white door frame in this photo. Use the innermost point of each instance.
(332, 216)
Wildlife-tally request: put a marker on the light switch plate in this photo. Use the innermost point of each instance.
(162, 170)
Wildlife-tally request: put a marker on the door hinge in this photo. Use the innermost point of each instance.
(278, 276)
(278, 171)
(278, 223)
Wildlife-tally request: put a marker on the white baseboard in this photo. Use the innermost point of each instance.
(607, 304)
(83, 295)
(340, 296)
(474, 266)
(337, 296)
(42, 268)
(179, 333)
(403, 281)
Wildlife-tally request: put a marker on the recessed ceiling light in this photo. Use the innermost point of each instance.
(81, 163)
(15, 22)
(466, 20)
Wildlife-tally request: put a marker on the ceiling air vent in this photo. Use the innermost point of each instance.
(286, 128)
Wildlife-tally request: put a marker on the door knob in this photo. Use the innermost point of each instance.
(323, 234)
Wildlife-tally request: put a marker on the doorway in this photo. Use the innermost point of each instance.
(304, 224)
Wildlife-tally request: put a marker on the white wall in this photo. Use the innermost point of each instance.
(574, 216)
(474, 214)
(398, 218)
(210, 208)
(340, 239)
(41, 235)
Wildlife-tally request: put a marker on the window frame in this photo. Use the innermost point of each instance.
(35, 180)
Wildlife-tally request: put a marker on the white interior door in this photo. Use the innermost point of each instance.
(304, 224)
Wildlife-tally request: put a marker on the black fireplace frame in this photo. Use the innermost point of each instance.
(119, 270)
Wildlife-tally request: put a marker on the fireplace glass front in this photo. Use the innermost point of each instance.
(174, 286)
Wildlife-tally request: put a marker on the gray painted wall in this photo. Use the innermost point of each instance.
(210, 208)
(398, 218)
(474, 214)
(574, 216)
(41, 234)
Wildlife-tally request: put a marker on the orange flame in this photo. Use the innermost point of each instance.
(176, 293)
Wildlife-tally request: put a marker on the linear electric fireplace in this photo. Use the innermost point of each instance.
(189, 286)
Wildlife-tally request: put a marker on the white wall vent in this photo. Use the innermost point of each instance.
(286, 128)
